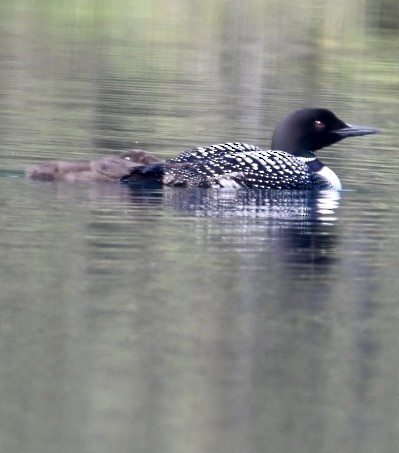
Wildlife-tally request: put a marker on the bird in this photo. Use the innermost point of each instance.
(107, 168)
(291, 162)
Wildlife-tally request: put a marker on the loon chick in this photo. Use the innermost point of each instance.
(291, 164)
(107, 168)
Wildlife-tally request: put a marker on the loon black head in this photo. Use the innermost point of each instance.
(306, 130)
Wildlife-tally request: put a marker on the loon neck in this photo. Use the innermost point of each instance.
(314, 164)
(296, 151)
(325, 172)
(307, 154)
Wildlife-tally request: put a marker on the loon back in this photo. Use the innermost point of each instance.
(235, 165)
(291, 164)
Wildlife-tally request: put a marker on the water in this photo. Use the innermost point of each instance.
(196, 320)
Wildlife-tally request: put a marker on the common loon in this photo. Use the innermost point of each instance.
(290, 164)
(107, 168)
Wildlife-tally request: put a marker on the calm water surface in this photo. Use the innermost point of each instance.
(196, 320)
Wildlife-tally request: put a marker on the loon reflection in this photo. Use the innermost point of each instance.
(293, 228)
(290, 205)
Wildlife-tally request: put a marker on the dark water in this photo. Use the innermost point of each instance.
(195, 320)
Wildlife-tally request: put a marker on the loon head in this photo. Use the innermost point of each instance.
(306, 130)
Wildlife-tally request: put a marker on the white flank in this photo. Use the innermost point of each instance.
(331, 177)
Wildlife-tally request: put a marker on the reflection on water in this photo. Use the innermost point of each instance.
(294, 220)
(282, 205)
(159, 319)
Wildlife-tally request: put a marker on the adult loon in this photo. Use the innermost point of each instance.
(290, 164)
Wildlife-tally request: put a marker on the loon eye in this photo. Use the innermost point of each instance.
(319, 124)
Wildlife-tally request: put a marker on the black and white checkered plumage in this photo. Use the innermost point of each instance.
(234, 165)
(290, 164)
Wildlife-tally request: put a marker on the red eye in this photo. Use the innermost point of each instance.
(319, 124)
